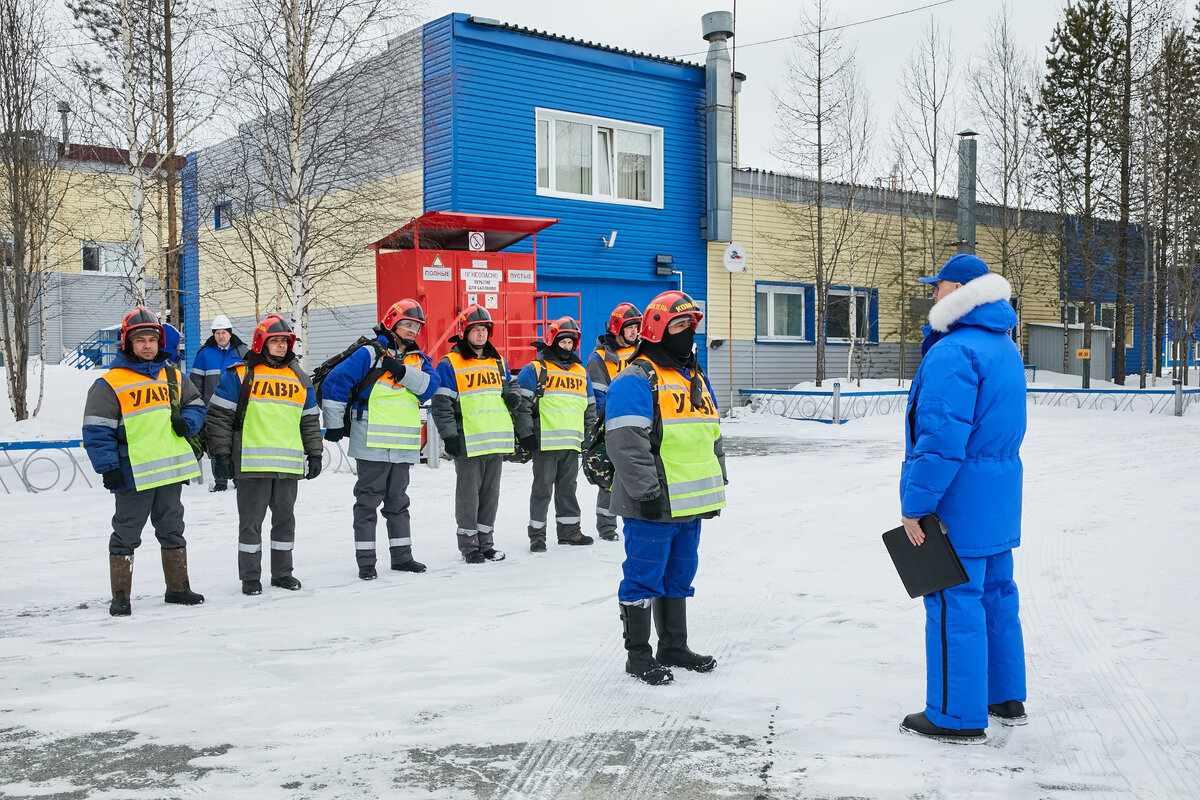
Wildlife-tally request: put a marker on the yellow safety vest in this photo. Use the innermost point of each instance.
(271, 440)
(561, 405)
(394, 412)
(487, 425)
(156, 455)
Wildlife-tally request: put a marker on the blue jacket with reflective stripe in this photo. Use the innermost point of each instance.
(104, 429)
(966, 421)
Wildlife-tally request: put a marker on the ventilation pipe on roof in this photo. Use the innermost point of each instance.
(717, 28)
(966, 191)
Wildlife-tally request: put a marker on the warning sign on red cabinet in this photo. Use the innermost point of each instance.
(520, 276)
(481, 280)
(475, 241)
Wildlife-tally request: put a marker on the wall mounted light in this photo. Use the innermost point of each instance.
(609, 240)
(664, 265)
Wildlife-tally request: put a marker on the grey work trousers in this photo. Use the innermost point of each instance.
(161, 505)
(476, 500)
(554, 472)
(386, 483)
(254, 497)
(606, 521)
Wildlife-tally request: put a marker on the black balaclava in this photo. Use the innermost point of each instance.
(680, 344)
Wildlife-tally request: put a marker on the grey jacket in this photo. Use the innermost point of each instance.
(222, 411)
(631, 434)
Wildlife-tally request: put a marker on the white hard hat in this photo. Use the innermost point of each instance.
(222, 323)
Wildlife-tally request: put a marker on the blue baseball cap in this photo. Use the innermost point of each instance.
(961, 268)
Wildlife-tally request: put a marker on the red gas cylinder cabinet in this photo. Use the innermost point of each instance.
(448, 260)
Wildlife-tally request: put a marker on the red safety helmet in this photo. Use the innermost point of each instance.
(472, 315)
(273, 325)
(624, 314)
(402, 310)
(562, 328)
(665, 308)
(138, 319)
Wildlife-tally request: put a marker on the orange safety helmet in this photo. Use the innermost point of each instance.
(472, 315)
(624, 314)
(273, 325)
(138, 319)
(402, 310)
(664, 309)
(561, 328)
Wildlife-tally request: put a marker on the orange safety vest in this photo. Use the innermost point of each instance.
(157, 455)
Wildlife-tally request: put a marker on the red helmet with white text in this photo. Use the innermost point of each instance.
(664, 309)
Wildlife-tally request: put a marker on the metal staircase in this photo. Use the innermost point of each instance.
(97, 350)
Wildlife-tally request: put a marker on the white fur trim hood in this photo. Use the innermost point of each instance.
(972, 294)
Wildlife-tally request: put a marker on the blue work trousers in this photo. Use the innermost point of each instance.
(974, 652)
(660, 559)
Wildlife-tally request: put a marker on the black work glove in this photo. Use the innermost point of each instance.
(651, 508)
(113, 480)
(179, 426)
(314, 468)
(394, 366)
(334, 434)
(530, 443)
(454, 447)
(223, 467)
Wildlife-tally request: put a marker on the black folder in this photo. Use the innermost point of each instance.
(930, 568)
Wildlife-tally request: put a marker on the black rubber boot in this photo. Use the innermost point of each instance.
(286, 582)
(1010, 712)
(179, 591)
(251, 588)
(412, 565)
(670, 619)
(641, 663)
(367, 573)
(120, 573)
(919, 725)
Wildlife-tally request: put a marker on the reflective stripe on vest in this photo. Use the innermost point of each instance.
(157, 456)
(623, 356)
(394, 412)
(487, 425)
(691, 467)
(271, 440)
(562, 405)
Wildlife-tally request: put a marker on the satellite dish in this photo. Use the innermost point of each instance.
(734, 258)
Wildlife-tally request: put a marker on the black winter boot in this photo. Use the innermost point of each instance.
(120, 573)
(1010, 712)
(670, 618)
(179, 591)
(919, 725)
(641, 663)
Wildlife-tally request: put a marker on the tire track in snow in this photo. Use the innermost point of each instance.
(1151, 743)
(561, 763)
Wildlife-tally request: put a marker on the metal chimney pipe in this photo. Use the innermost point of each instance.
(717, 28)
(64, 108)
(967, 171)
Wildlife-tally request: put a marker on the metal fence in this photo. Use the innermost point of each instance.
(828, 406)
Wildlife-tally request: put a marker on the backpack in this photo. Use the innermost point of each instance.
(322, 372)
(597, 466)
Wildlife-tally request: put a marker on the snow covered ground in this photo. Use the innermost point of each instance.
(504, 680)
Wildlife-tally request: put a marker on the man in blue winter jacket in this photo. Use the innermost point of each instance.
(222, 351)
(965, 424)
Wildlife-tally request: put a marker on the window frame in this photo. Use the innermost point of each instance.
(771, 288)
(223, 215)
(871, 299)
(612, 127)
(102, 249)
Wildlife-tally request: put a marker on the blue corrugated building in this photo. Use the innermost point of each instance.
(510, 118)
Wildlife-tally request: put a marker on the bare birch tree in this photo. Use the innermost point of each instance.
(926, 123)
(329, 116)
(30, 190)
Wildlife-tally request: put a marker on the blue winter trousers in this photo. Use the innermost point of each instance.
(660, 559)
(974, 652)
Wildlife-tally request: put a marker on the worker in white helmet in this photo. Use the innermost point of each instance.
(222, 351)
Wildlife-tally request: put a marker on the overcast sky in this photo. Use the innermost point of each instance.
(672, 27)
